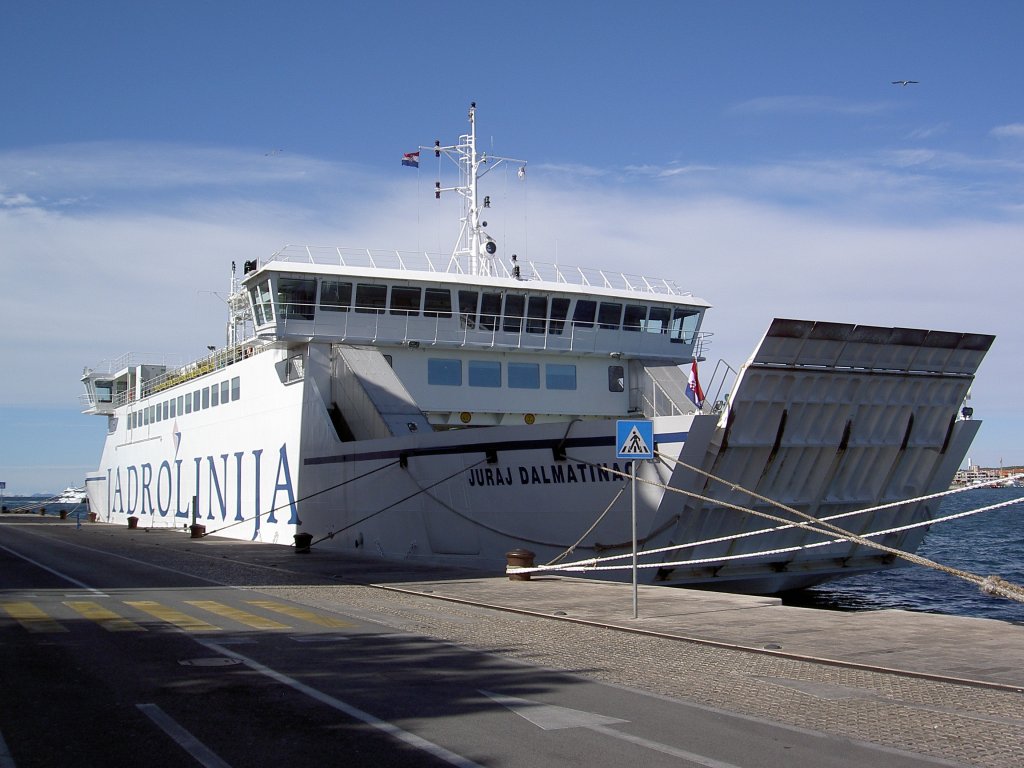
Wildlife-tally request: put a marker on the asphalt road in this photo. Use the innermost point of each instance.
(115, 652)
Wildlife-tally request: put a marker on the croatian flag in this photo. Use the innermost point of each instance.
(693, 390)
(412, 159)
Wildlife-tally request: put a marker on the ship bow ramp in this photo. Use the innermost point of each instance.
(828, 418)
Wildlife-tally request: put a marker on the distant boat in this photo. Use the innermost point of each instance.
(452, 408)
(70, 495)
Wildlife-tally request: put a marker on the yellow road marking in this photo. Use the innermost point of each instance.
(106, 618)
(235, 614)
(300, 613)
(172, 616)
(32, 618)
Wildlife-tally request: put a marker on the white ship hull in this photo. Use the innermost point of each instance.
(271, 464)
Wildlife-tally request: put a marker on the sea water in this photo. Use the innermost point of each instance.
(990, 543)
(986, 544)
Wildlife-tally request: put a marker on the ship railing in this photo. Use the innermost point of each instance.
(449, 328)
(410, 261)
(658, 402)
(132, 360)
(215, 361)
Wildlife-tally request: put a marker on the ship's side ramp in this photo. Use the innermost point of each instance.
(369, 400)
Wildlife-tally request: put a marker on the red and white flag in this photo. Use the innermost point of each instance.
(693, 390)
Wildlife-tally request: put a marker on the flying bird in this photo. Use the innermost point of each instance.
(904, 83)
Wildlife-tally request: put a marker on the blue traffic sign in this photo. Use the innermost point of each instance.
(634, 439)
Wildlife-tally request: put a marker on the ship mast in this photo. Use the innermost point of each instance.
(474, 247)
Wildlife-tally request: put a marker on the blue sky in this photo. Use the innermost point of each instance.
(756, 152)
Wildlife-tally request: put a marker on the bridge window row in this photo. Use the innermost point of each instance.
(477, 309)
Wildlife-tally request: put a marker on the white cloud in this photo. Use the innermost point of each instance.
(1011, 130)
(91, 282)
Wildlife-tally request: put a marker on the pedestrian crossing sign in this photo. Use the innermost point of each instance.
(634, 439)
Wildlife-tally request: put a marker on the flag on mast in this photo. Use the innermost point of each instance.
(412, 159)
(693, 390)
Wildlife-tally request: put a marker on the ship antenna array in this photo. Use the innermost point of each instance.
(238, 310)
(474, 244)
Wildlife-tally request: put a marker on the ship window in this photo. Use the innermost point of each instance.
(560, 376)
(296, 295)
(205, 391)
(405, 300)
(145, 416)
(657, 320)
(514, 305)
(180, 399)
(536, 314)
(559, 310)
(490, 309)
(236, 388)
(174, 407)
(159, 413)
(609, 316)
(263, 307)
(257, 308)
(616, 378)
(371, 298)
(444, 372)
(467, 308)
(224, 390)
(634, 317)
(524, 375)
(583, 314)
(484, 373)
(214, 395)
(188, 403)
(437, 302)
(104, 391)
(335, 296)
(684, 323)
(195, 399)
(167, 410)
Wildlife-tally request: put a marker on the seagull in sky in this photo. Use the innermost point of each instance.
(904, 83)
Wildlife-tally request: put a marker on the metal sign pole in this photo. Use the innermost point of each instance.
(635, 441)
(633, 493)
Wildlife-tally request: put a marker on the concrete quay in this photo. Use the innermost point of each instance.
(975, 651)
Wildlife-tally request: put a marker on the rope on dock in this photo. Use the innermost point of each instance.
(992, 585)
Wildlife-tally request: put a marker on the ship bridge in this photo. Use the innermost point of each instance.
(305, 294)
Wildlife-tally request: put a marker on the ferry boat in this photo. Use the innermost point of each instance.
(451, 409)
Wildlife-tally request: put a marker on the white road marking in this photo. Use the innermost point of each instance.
(365, 717)
(551, 718)
(91, 590)
(203, 754)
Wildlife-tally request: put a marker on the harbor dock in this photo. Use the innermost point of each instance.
(947, 688)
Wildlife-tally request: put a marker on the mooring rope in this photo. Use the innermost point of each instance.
(993, 585)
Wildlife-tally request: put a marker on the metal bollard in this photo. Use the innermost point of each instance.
(519, 558)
